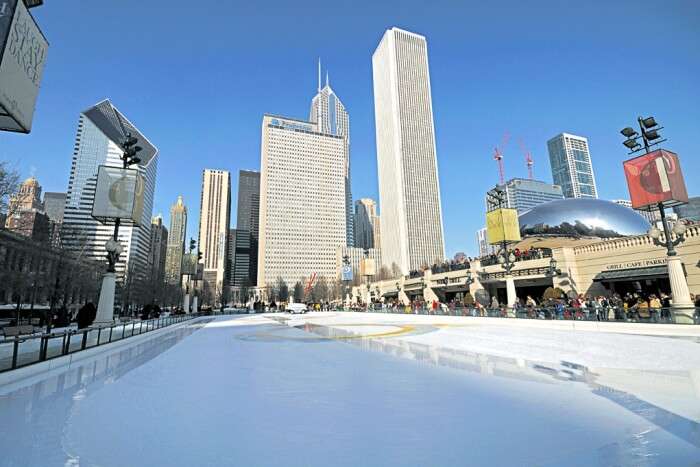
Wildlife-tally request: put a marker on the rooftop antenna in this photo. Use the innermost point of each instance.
(326, 78)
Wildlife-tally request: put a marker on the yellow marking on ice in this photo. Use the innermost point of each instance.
(398, 332)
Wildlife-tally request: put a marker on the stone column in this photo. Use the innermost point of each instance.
(186, 303)
(105, 305)
(683, 308)
(512, 296)
(194, 304)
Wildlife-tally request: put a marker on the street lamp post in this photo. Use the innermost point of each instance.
(346, 278)
(506, 260)
(368, 278)
(649, 135)
(105, 305)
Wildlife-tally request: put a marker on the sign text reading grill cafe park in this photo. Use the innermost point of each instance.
(642, 263)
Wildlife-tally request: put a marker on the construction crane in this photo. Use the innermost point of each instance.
(498, 157)
(528, 160)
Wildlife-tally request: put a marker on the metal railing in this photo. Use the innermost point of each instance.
(602, 314)
(21, 351)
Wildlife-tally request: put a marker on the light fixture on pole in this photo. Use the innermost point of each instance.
(105, 305)
(552, 270)
(655, 182)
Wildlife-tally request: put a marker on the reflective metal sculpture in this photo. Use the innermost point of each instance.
(582, 217)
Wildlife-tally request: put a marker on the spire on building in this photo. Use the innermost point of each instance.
(319, 74)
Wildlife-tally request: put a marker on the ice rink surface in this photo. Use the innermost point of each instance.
(346, 389)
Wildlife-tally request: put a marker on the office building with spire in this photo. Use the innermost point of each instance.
(330, 116)
(409, 187)
(176, 242)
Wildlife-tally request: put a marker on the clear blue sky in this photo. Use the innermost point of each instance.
(196, 78)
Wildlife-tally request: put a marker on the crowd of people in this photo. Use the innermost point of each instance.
(629, 307)
(520, 255)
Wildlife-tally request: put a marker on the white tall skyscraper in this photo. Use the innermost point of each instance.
(409, 189)
(100, 130)
(302, 201)
(214, 221)
(328, 113)
(571, 166)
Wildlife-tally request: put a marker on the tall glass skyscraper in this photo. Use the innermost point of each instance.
(328, 113)
(366, 224)
(244, 262)
(409, 188)
(571, 166)
(100, 130)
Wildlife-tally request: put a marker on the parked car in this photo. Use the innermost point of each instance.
(297, 308)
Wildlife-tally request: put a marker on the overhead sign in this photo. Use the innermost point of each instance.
(119, 195)
(23, 50)
(502, 226)
(655, 178)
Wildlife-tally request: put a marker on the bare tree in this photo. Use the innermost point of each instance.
(9, 186)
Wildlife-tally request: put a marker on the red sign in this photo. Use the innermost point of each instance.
(655, 178)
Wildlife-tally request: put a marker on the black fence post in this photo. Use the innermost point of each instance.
(15, 351)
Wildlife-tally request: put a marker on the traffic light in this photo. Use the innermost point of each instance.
(199, 256)
(192, 244)
(130, 150)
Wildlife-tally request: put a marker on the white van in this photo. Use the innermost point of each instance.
(296, 308)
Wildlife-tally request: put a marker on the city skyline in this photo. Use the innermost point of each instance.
(500, 103)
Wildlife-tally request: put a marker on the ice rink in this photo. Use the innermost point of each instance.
(353, 389)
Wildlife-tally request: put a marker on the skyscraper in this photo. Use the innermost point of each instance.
(247, 222)
(330, 116)
(214, 222)
(482, 241)
(101, 129)
(239, 254)
(571, 165)
(524, 194)
(176, 242)
(409, 189)
(54, 204)
(158, 252)
(302, 200)
(366, 224)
